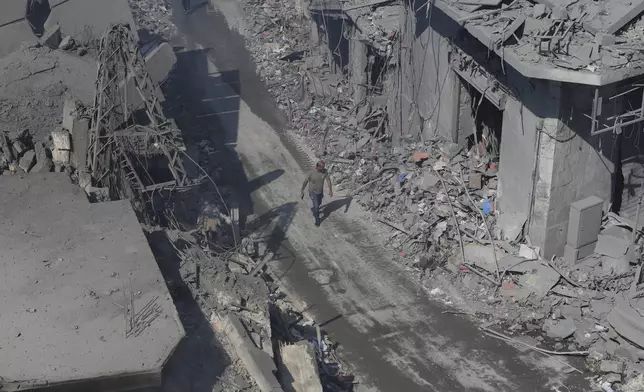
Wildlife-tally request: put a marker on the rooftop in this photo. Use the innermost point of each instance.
(83, 303)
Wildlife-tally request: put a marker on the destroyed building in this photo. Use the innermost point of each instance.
(549, 91)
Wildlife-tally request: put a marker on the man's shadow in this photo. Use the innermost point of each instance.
(327, 209)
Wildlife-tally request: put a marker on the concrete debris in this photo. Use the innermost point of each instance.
(538, 10)
(67, 43)
(52, 37)
(71, 112)
(27, 161)
(611, 246)
(154, 17)
(160, 62)
(607, 366)
(258, 363)
(299, 368)
(635, 384)
(559, 329)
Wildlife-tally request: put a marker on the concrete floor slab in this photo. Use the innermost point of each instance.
(71, 271)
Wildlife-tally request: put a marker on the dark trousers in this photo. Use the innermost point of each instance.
(316, 198)
(186, 5)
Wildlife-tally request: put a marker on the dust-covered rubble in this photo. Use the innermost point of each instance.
(153, 17)
(270, 319)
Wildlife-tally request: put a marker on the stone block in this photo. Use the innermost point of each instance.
(611, 246)
(476, 181)
(259, 364)
(559, 13)
(298, 368)
(80, 143)
(61, 140)
(52, 37)
(60, 156)
(585, 221)
(538, 10)
(160, 62)
(605, 39)
(70, 113)
(607, 366)
(67, 43)
(28, 161)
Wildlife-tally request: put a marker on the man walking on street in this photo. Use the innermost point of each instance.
(186, 6)
(316, 179)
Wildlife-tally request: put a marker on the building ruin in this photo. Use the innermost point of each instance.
(550, 90)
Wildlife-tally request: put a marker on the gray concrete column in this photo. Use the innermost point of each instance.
(357, 68)
(548, 161)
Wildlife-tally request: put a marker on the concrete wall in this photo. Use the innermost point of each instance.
(581, 164)
(429, 99)
(548, 161)
(466, 125)
(522, 118)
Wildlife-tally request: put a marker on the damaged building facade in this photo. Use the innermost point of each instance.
(548, 91)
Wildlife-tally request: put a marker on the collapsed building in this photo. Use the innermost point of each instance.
(82, 292)
(549, 90)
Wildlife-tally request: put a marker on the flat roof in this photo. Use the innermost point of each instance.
(585, 61)
(71, 273)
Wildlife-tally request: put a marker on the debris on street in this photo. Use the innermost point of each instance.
(440, 201)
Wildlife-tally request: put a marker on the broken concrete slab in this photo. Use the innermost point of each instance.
(160, 62)
(427, 181)
(71, 112)
(476, 181)
(540, 280)
(538, 10)
(66, 43)
(52, 37)
(27, 161)
(559, 13)
(258, 363)
(613, 266)
(80, 142)
(559, 329)
(482, 256)
(611, 246)
(605, 39)
(236, 268)
(607, 366)
(298, 368)
(618, 232)
(627, 322)
(61, 140)
(627, 352)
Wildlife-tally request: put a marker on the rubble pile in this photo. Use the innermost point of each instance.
(37, 83)
(153, 16)
(592, 40)
(237, 283)
(590, 308)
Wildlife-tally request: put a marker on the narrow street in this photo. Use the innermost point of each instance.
(391, 333)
